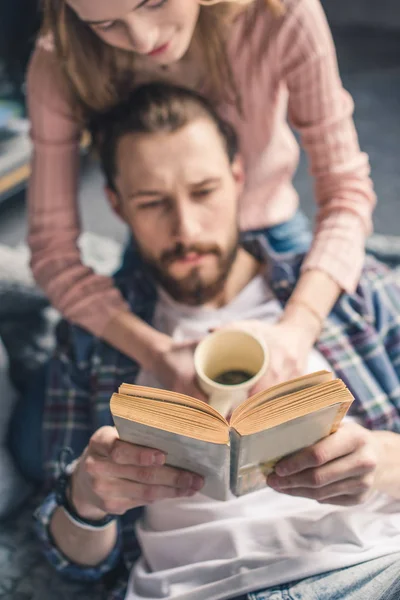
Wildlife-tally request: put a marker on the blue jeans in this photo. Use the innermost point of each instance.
(294, 236)
(377, 579)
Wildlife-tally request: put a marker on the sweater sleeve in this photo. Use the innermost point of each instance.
(85, 298)
(321, 111)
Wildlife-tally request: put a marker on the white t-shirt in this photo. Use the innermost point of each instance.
(201, 549)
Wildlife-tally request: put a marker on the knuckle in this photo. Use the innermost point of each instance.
(361, 497)
(368, 461)
(150, 494)
(318, 455)
(365, 484)
(317, 479)
(90, 465)
(102, 504)
(146, 475)
(117, 453)
(98, 487)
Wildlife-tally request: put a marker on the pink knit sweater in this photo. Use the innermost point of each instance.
(286, 70)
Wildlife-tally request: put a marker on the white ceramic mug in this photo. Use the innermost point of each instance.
(229, 350)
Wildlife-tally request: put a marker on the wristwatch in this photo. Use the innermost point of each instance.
(62, 487)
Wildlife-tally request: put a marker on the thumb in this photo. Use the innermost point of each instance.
(103, 440)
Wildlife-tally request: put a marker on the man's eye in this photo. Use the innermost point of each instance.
(203, 192)
(150, 205)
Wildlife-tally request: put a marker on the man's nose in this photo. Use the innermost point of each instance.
(143, 36)
(187, 227)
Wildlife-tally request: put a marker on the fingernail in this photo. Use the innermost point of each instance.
(158, 458)
(281, 471)
(197, 483)
(185, 481)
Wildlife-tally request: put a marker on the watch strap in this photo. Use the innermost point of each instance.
(62, 497)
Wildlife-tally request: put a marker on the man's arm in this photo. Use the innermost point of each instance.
(68, 422)
(112, 477)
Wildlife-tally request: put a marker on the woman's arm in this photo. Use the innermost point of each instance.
(321, 110)
(82, 296)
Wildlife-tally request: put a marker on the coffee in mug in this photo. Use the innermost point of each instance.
(228, 363)
(233, 377)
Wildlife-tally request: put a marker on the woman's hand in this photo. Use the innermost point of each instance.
(288, 343)
(173, 366)
(112, 476)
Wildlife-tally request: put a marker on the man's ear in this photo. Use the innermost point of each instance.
(115, 202)
(238, 172)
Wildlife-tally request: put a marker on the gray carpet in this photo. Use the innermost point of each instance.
(24, 575)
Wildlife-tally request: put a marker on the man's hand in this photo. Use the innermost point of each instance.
(341, 469)
(112, 477)
(173, 366)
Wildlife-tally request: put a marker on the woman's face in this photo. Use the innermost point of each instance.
(159, 29)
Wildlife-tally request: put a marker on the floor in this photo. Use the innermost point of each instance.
(370, 67)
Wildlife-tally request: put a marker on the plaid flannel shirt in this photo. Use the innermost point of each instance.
(360, 339)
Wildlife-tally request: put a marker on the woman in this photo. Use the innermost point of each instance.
(259, 61)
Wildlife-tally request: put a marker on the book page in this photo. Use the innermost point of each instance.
(277, 391)
(255, 455)
(140, 391)
(212, 461)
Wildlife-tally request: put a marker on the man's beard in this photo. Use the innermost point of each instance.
(193, 289)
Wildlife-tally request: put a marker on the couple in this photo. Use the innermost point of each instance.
(328, 524)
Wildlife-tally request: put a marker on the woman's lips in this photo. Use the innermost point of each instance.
(159, 50)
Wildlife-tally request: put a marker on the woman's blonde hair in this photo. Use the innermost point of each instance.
(99, 75)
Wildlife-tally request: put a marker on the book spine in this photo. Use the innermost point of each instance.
(235, 455)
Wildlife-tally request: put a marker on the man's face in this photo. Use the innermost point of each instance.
(179, 194)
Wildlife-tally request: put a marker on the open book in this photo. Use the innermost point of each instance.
(236, 456)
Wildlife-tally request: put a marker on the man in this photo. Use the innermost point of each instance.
(328, 525)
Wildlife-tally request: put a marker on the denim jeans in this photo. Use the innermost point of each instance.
(377, 579)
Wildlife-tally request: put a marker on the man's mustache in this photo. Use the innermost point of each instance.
(180, 251)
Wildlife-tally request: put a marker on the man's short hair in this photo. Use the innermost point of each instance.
(153, 108)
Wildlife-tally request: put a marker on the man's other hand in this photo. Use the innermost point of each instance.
(341, 469)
